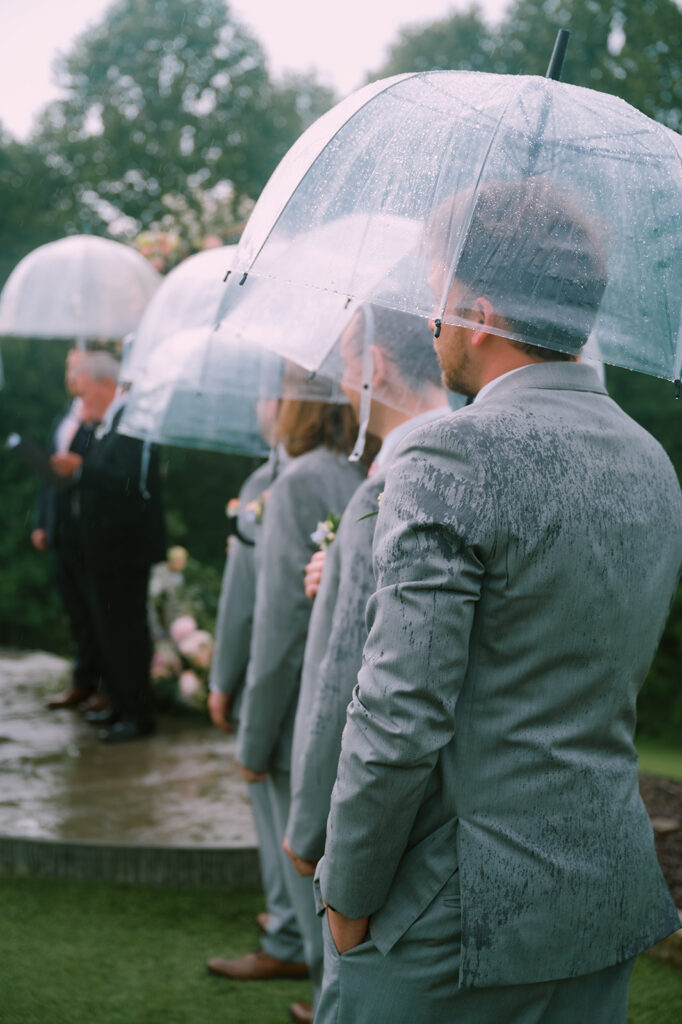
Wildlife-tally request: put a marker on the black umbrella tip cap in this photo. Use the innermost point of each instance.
(556, 63)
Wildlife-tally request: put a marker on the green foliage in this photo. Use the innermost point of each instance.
(168, 106)
(651, 403)
(29, 216)
(632, 48)
(30, 613)
(462, 41)
(656, 758)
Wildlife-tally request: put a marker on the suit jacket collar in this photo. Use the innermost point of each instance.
(553, 376)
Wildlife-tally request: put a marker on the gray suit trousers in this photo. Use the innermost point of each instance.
(416, 982)
(282, 938)
(299, 889)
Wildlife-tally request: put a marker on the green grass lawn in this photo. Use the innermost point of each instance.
(94, 953)
(659, 759)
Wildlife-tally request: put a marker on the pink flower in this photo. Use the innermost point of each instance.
(232, 508)
(190, 687)
(197, 647)
(182, 627)
(165, 663)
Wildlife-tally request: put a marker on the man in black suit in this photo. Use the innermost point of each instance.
(117, 484)
(57, 531)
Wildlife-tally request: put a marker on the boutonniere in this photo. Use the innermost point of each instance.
(371, 514)
(233, 508)
(253, 510)
(325, 532)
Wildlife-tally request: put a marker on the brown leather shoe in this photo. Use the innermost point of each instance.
(262, 920)
(70, 698)
(257, 966)
(302, 1013)
(95, 702)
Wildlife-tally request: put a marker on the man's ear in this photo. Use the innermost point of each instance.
(380, 366)
(483, 312)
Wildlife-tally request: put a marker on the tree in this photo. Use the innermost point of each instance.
(630, 48)
(462, 41)
(168, 102)
(29, 201)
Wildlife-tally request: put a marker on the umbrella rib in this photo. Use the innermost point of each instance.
(323, 150)
(470, 211)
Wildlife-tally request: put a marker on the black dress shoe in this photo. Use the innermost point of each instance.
(105, 717)
(127, 729)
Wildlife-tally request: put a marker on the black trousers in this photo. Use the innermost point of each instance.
(119, 601)
(71, 580)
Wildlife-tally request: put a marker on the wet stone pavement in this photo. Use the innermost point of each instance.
(67, 799)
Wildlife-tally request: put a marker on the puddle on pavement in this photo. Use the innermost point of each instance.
(179, 787)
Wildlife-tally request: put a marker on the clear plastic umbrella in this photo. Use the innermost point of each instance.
(194, 387)
(574, 190)
(79, 287)
(174, 396)
(309, 325)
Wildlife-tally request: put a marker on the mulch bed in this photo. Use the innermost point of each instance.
(663, 801)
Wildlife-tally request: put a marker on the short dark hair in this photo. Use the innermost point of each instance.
(532, 251)
(408, 342)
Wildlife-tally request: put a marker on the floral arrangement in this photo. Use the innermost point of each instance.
(163, 249)
(325, 533)
(183, 649)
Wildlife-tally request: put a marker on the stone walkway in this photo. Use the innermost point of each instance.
(61, 789)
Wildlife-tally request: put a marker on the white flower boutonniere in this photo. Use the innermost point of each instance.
(371, 514)
(325, 532)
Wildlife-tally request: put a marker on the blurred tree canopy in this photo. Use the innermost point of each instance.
(168, 106)
(632, 48)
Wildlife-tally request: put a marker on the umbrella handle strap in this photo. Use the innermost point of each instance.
(366, 385)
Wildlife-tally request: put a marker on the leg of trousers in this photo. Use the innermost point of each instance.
(300, 889)
(282, 938)
(72, 585)
(120, 604)
(416, 981)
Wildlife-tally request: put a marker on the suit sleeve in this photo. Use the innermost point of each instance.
(314, 772)
(281, 616)
(429, 555)
(235, 609)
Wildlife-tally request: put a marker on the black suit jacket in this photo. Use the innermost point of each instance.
(55, 508)
(121, 516)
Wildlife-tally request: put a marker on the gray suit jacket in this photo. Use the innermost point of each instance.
(237, 595)
(312, 486)
(333, 657)
(526, 553)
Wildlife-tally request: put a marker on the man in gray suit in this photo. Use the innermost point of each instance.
(406, 393)
(488, 855)
(281, 943)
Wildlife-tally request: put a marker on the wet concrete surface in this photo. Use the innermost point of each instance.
(178, 788)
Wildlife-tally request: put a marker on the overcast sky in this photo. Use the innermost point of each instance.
(341, 41)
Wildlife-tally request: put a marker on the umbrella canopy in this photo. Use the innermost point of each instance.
(194, 387)
(173, 403)
(575, 191)
(78, 287)
(187, 299)
(178, 395)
